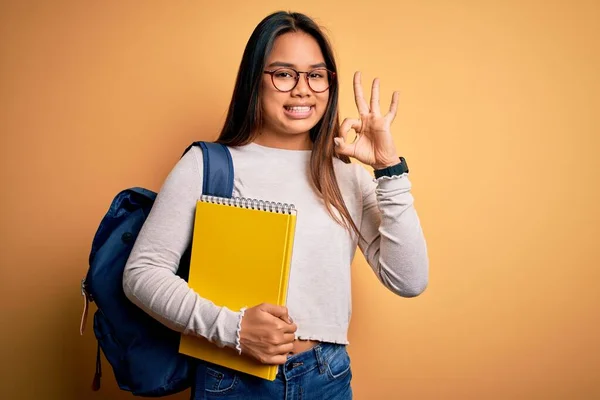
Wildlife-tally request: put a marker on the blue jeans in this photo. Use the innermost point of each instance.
(321, 373)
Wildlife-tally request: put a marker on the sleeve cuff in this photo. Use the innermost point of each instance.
(227, 334)
(401, 179)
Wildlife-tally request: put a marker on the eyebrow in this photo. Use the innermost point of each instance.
(288, 65)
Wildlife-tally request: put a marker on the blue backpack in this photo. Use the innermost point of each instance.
(142, 352)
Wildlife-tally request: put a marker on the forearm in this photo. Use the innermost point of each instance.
(394, 243)
(149, 278)
(169, 299)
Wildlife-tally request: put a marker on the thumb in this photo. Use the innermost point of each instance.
(277, 311)
(341, 147)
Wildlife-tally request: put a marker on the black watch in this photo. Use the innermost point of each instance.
(398, 169)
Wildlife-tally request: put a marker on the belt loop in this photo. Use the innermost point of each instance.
(319, 357)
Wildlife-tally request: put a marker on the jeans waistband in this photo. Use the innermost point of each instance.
(301, 363)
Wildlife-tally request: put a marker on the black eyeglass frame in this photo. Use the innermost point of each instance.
(272, 73)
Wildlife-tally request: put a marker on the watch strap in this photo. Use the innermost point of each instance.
(398, 169)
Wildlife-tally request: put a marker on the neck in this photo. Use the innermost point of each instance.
(287, 142)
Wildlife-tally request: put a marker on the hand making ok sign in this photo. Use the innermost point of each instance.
(374, 144)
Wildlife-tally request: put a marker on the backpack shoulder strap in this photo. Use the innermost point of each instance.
(218, 169)
(144, 192)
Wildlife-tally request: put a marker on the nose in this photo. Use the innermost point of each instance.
(302, 89)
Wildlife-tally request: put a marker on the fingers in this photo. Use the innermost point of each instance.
(289, 338)
(344, 149)
(276, 349)
(350, 123)
(279, 339)
(277, 311)
(289, 328)
(285, 348)
(341, 146)
(359, 98)
(268, 333)
(394, 105)
(373, 107)
(375, 97)
(276, 360)
(277, 353)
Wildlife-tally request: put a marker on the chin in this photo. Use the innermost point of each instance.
(299, 127)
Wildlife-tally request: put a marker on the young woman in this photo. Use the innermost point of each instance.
(287, 145)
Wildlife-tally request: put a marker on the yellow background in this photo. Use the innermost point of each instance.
(498, 120)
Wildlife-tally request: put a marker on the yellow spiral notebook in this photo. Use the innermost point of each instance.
(241, 256)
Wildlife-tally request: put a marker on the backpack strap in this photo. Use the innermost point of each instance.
(144, 192)
(218, 169)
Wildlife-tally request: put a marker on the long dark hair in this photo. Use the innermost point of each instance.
(244, 118)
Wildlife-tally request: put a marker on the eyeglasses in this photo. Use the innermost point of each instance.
(286, 79)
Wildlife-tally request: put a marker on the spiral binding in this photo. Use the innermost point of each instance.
(254, 204)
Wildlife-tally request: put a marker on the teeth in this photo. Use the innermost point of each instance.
(298, 109)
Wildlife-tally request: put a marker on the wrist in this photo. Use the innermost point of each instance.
(384, 165)
(388, 162)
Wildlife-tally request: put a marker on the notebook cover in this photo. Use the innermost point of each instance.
(240, 258)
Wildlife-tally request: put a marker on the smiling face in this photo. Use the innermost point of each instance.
(289, 116)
